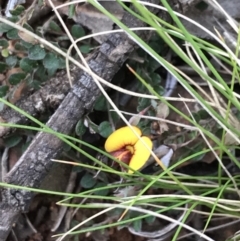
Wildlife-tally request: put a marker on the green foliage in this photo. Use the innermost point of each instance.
(12, 34)
(137, 225)
(12, 141)
(3, 67)
(5, 28)
(16, 78)
(19, 9)
(35, 61)
(105, 129)
(28, 65)
(3, 90)
(80, 128)
(103, 192)
(36, 52)
(11, 61)
(4, 43)
(77, 31)
(88, 181)
(51, 61)
(85, 49)
(55, 27)
(101, 103)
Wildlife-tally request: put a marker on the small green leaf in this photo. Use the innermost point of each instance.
(55, 27)
(3, 90)
(36, 53)
(143, 103)
(17, 10)
(51, 61)
(12, 141)
(62, 63)
(13, 19)
(13, 34)
(88, 181)
(25, 45)
(16, 78)
(51, 72)
(40, 73)
(28, 27)
(77, 31)
(101, 104)
(105, 129)
(11, 61)
(150, 219)
(115, 116)
(103, 192)
(159, 89)
(203, 114)
(71, 11)
(3, 67)
(85, 49)
(4, 43)
(28, 65)
(35, 84)
(137, 225)
(5, 28)
(155, 78)
(80, 128)
(5, 53)
(20, 47)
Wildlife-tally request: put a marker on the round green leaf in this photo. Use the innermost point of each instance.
(101, 104)
(77, 31)
(103, 192)
(40, 73)
(137, 225)
(12, 141)
(105, 129)
(87, 181)
(5, 28)
(36, 52)
(51, 72)
(3, 90)
(62, 63)
(155, 78)
(4, 43)
(20, 47)
(51, 61)
(27, 64)
(16, 78)
(5, 53)
(11, 61)
(28, 27)
(85, 49)
(55, 27)
(13, 34)
(17, 10)
(80, 128)
(150, 219)
(25, 45)
(3, 67)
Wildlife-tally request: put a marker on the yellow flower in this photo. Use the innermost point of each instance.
(124, 145)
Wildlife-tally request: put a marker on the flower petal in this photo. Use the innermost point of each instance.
(121, 137)
(141, 154)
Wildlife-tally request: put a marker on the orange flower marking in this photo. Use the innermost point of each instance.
(124, 145)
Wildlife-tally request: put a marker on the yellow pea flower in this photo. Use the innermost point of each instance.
(126, 147)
